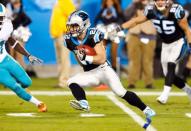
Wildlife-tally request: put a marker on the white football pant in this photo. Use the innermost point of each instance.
(103, 74)
(172, 52)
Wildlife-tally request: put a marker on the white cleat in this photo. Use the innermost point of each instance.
(188, 91)
(149, 114)
(161, 100)
(80, 105)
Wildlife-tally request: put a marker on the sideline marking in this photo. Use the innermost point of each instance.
(108, 94)
(130, 112)
(99, 93)
(188, 115)
(22, 114)
(91, 115)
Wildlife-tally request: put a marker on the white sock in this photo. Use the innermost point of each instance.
(35, 101)
(145, 110)
(187, 89)
(166, 91)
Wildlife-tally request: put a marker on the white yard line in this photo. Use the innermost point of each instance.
(188, 115)
(110, 95)
(130, 112)
(99, 93)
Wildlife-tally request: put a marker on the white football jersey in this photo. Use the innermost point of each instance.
(5, 33)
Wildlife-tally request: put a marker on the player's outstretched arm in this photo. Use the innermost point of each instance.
(183, 23)
(134, 21)
(18, 47)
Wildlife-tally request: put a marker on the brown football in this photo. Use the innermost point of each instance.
(88, 50)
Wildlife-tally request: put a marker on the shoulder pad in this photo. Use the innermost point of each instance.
(67, 36)
(97, 35)
(148, 11)
(66, 39)
(178, 11)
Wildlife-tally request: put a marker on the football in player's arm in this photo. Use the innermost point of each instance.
(96, 68)
(172, 27)
(99, 58)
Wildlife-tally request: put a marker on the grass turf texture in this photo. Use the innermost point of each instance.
(61, 117)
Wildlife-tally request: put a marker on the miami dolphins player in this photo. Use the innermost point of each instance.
(172, 26)
(12, 75)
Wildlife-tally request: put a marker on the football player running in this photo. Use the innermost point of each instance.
(172, 26)
(12, 75)
(96, 68)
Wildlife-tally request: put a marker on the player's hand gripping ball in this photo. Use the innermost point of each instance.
(83, 51)
(87, 50)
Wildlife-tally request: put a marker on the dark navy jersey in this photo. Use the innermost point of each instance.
(93, 37)
(166, 26)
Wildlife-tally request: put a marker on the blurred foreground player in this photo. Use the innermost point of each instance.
(96, 68)
(172, 27)
(12, 75)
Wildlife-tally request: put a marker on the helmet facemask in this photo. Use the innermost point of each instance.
(162, 5)
(73, 29)
(78, 23)
(2, 14)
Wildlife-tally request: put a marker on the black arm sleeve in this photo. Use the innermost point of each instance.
(26, 20)
(149, 11)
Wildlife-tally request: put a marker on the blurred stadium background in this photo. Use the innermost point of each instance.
(40, 13)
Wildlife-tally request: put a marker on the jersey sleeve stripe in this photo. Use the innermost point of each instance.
(65, 43)
(96, 37)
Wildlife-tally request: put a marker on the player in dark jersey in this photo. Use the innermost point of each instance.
(172, 26)
(96, 68)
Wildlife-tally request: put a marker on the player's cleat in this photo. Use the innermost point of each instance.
(42, 107)
(147, 123)
(161, 100)
(187, 89)
(80, 105)
(149, 114)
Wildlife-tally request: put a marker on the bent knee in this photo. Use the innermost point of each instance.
(73, 80)
(27, 83)
(121, 92)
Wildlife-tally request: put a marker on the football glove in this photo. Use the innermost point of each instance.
(81, 54)
(33, 60)
(22, 34)
(113, 29)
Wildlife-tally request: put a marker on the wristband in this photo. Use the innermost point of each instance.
(13, 46)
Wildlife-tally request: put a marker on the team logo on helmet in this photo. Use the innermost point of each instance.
(77, 23)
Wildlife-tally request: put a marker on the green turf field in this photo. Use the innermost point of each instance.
(61, 117)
